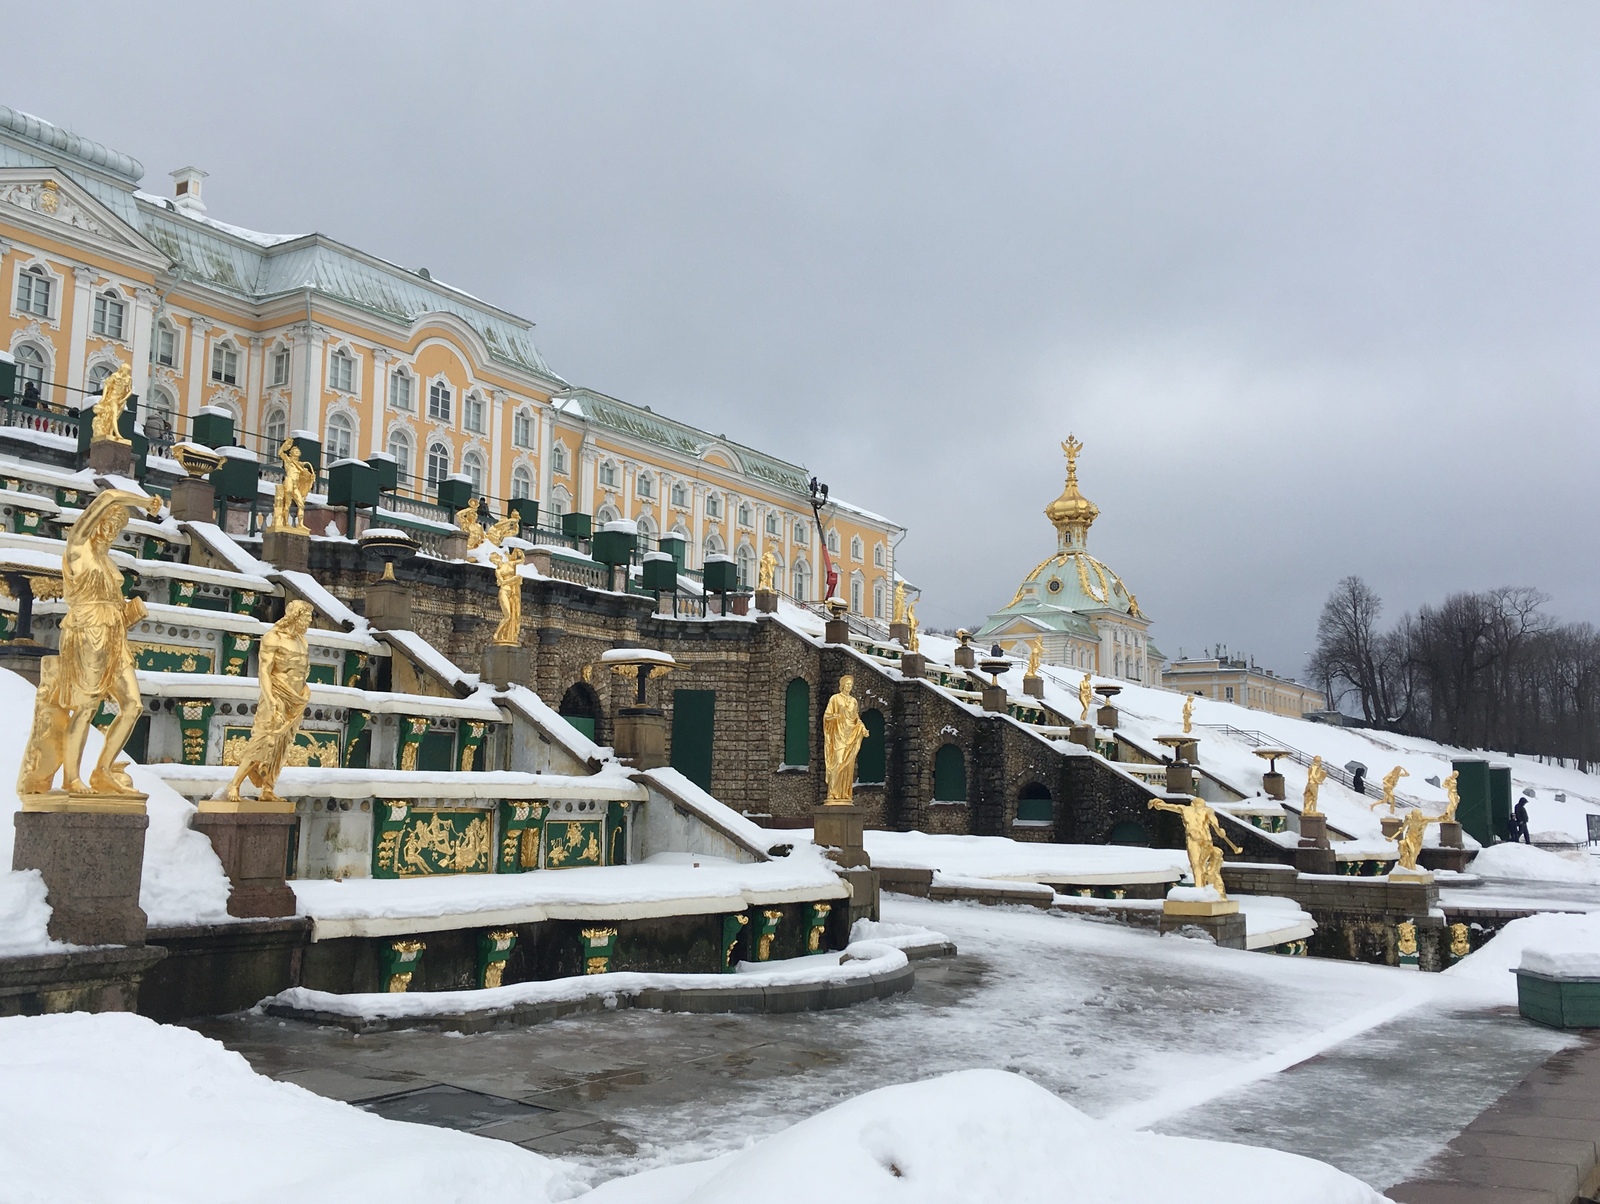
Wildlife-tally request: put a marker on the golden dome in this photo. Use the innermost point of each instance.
(1072, 511)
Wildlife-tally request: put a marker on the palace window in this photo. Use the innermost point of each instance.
(341, 372)
(521, 482)
(744, 514)
(439, 399)
(558, 458)
(877, 601)
(109, 312)
(274, 430)
(33, 291)
(341, 438)
(522, 429)
(802, 581)
(30, 369)
(608, 514)
(280, 367)
(802, 533)
(472, 465)
(438, 466)
(400, 449)
(97, 378)
(746, 559)
(400, 387)
(472, 413)
(225, 364)
(167, 347)
(877, 554)
(857, 589)
(645, 485)
(608, 474)
(772, 522)
(713, 506)
(158, 416)
(680, 495)
(858, 549)
(833, 541)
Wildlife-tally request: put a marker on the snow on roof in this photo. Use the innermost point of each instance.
(224, 547)
(635, 656)
(552, 724)
(750, 836)
(309, 589)
(429, 659)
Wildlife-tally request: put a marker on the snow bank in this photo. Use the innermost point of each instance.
(183, 880)
(1000, 857)
(115, 1108)
(978, 1136)
(907, 937)
(1552, 939)
(1529, 863)
(24, 915)
(1565, 945)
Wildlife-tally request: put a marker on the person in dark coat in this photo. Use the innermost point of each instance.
(1519, 822)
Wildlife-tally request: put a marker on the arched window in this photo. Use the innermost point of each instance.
(608, 474)
(645, 486)
(167, 348)
(341, 371)
(857, 590)
(225, 363)
(680, 495)
(713, 505)
(401, 390)
(110, 313)
(274, 430)
(158, 417)
(278, 376)
(438, 466)
(744, 514)
(647, 527)
(833, 541)
(35, 290)
(772, 522)
(714, 544)
(872, 761)
(746, 559)
(857, 549)
(877, 554)
(440, 399)
(472, 465)
(949, 775)
(341, 438)
(1034, 804)
(473, 413)
(797, 723)
(802, 581)
(607, 514)
(802, 532)
(400, 449)
(679, 531)
(97, 378)
(560, 503)
(558, 458)
(521, 482)
(522, 428)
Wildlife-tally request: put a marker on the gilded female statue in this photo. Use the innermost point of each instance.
(289, 498)
(914, 628)
(768, 570)
(1086, 697)
(1452, 793)
(108, 410)
(1315, 776)
(285, 664)
(1188, 715)
(509, 581)
(842, 734)
(94, 664)
(1035, 657)
(899, 614)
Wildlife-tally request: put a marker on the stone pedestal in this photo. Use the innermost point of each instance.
(913, 664)
(289, 551)
(1418, 875)
(92, 863)
(1221, 918)
(1390, 824)
(1083, 734)
(966, 657)
(22, 657)
(1449, 834)
(1313, 860)
(994, 699)
(1272, 783)
(839, 829)
(1180, 778)
(108, 457)
(1189, 751)
(454, 547)
(194, 500)
(388, 605)
(1106, 716)
(767, 601)
(1033, 687)
(640, 736)
(505, 665)
(1314, 832)
(864, 886)
(836, 631)
(900, 633)
(253, 845)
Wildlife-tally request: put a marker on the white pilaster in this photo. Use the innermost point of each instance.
(78, 336)
(254, 374)
(382, 357)
(144, 306)
(199, 328)
(498, 437)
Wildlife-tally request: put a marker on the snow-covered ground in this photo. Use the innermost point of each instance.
(1001, 857)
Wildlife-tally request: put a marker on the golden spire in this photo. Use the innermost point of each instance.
(1072, 513)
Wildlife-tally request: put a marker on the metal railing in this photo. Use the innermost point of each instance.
(1369, 787)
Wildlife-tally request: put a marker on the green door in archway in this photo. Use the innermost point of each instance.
(693, 714)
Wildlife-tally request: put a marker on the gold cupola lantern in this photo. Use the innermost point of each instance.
(1072, 513)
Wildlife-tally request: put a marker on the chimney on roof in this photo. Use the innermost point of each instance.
(186, 189)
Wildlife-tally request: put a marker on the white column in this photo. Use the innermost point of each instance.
(587, 461)
(381, 358)
(255, 370)
(305, 410)
(144, 303)
(78, 335)
(697, 527)
(498, 437)
(547, 442)
(199, 328)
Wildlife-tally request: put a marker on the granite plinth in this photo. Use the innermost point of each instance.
(253, 847)
(506, 665)
(900, 633)
(1106, 716)
(111, 458)
(966, 657)
(1180, 778)
(1033, 687)
(1314, 832)
(914, 664)
(1272, 785)
(1200, 907)
(1310, 859)
(388, 605)
(994, 699)
(1390, 825)
(1449, 834)
(767, 601)
(290, 551)
(1082, 734)
(194, 500)
(92, 863)
(836, 631)
(839, 828)
(640, 736)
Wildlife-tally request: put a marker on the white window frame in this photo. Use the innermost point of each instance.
(680, 495)
(271, 440)
(43, 365)
(37, 273)
(522, 427)
(402, 390)
(474, 413)
(166, 330)
(402, 438)
(713, 505)
(558, 458)
(109, 305)
(341, 371)
(441, 400)
(521, 482)
(220, 373)
(282, 367)
(429, 481)
(774, 526)
(858, 549)
(608, 475)
(474, 466)
(644, 485)
(347, 429)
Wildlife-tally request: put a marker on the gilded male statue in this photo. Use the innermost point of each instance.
(1205, 859)
(1315, 776)
(94, 664)
(285, 664)
(289, 498)
(1390, 781)
(1409, 836)
(108, 410)
(1035, 657)
(509, 581)
(768, 570)
(842, 734)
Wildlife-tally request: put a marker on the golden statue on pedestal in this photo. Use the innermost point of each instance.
(94, 664)
(1205, 859)
(842, 734)
(1188, 714)
(1315, 776)
(899, 615)
(108, 410)
(1453, 796)
(509, 580)
(289, 498)
(285, 664)
(913, 637)
(1409, 836)
(1390, 781)
(767, 572)
(477, 535)
(1086, 697)
(1035, 658)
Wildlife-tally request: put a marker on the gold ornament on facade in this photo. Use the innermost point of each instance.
(773, 918)
(289, 498)
(285, 665)
(508, 581)
(45, 589)
(842, 734)
(1390, 781)
(1405, 938)
(108, 410)
(1460, 940)
(1199, 823)
(49, 197)
(1316, 774)
(93, 667)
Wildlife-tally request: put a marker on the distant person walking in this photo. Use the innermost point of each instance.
(1519, 822)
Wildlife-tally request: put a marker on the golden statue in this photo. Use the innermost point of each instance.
(1409, 836)
(1035, 657)
(1188, 714)
(94, 664)
(1390, 781)
(1315, 776)
(767, 571)
(913, 638)
(290, 495)
(842, 733)
(506, 576)
(467, 520)
(113, 395)
(285, 663)
(1086, 697)
(1205, 859)
(899, 615)
(1453, 795)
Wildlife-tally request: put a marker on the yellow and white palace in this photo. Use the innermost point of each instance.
(302, 333)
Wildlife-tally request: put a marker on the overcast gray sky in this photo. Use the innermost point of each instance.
(1316, 283)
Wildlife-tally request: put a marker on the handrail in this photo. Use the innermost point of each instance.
(1370, 787)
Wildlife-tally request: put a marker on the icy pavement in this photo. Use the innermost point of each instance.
(1369, 1068)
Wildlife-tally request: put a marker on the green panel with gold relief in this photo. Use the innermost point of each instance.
(169, 658)
(320, 750)
(323, 675)
(573, 842)
(235, 653)
(412, 842)
(520, 829)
